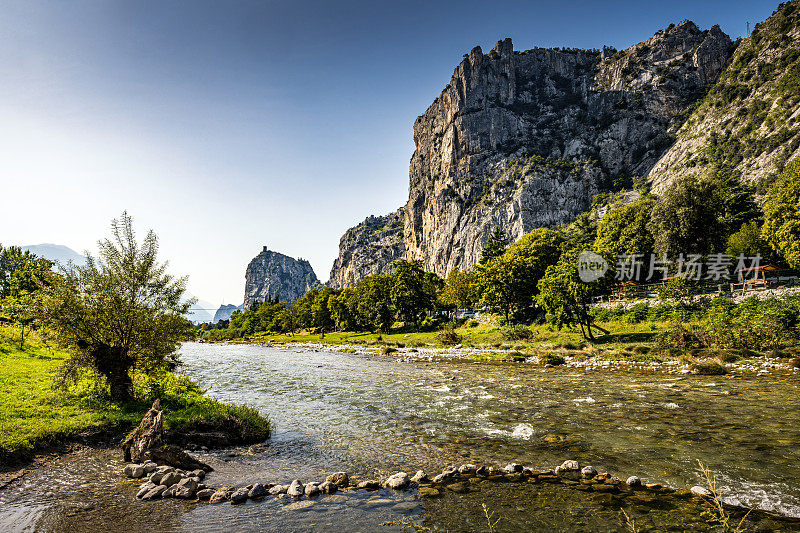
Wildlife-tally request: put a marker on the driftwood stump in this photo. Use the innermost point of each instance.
(148, 435)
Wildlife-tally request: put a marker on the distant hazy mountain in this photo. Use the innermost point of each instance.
(224, 312)
(199, 312)
(56, 252)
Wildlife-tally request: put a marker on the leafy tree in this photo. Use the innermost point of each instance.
(495, 245)
(687, 218)
(458, 289)
(119, 313)
(508, 284)
(413, 290)
(750, 242)
(23, 277)
(374, 302)
(623, 230)
(782, 214)
(566, 298)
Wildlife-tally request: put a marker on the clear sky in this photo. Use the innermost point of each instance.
(229, 125)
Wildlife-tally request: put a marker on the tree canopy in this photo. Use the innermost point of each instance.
(118, 313)
(782, 214)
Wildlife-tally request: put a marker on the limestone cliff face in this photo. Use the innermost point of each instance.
(368, 248)
(519, 140)
(748, 125)
(272, 275)
(523, 140)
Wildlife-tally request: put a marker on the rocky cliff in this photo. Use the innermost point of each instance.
(748, 124)
(271, 275)
(519, 140)
(369, 248)
(523, 140)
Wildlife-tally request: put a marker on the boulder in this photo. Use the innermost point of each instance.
(296, 489)
(155, 493)
(588, 472)
(220, 496)
(174, 456)
(340, 479)
(311, 490)
(185, 489)
(170, 478)
(198, 473)
(419, 477)
(703, 492)
(205, 494)
(467, 469)
(145, 488)
(328, 487)
(156, 477)
(257, 491)
(278, 489)
(134, 471)
(512, 468)
(633, 481)
(369, 484)
(397, 481)
(239, 495)
(148, 435)
(149, 467)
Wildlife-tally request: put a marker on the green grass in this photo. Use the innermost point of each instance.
(34, 415)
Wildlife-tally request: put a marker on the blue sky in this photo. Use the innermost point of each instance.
(225, 126)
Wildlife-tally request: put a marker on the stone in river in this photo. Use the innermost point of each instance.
(341, 479)
(296, 489)
(170, 478)
(428, 492)
(205, 494)
(369, 484)
(703, 492)
(298, 506)
(419, 477)
(257, 491)
(145, 488)
(278, 489)
(405, 507)
(220, 496)
(312, 489)
(634, 481)
(397, 481)
(149, 466)
(512, 468)
(458, 488)
(155, 493)
(328, 487)
(239, 495)
(134, 470)
(588, 472)
(467, 469)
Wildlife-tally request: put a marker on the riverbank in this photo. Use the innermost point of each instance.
(36, 419)
(628, 345)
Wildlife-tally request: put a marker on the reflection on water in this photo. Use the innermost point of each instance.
(373, 416)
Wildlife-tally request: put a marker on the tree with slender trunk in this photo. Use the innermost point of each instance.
(119, 313)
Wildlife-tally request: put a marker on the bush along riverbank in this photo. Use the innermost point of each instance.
(35, 417)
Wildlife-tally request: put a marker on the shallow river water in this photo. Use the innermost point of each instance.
(372, 416)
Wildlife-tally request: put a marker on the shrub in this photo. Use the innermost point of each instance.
(473, 323)
(638, 313)
(517, 333)
(551, 359)
(448, 336)
(708, 368)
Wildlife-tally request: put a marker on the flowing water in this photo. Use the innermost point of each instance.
(372, 416)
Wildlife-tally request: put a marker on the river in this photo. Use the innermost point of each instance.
(374, 415)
